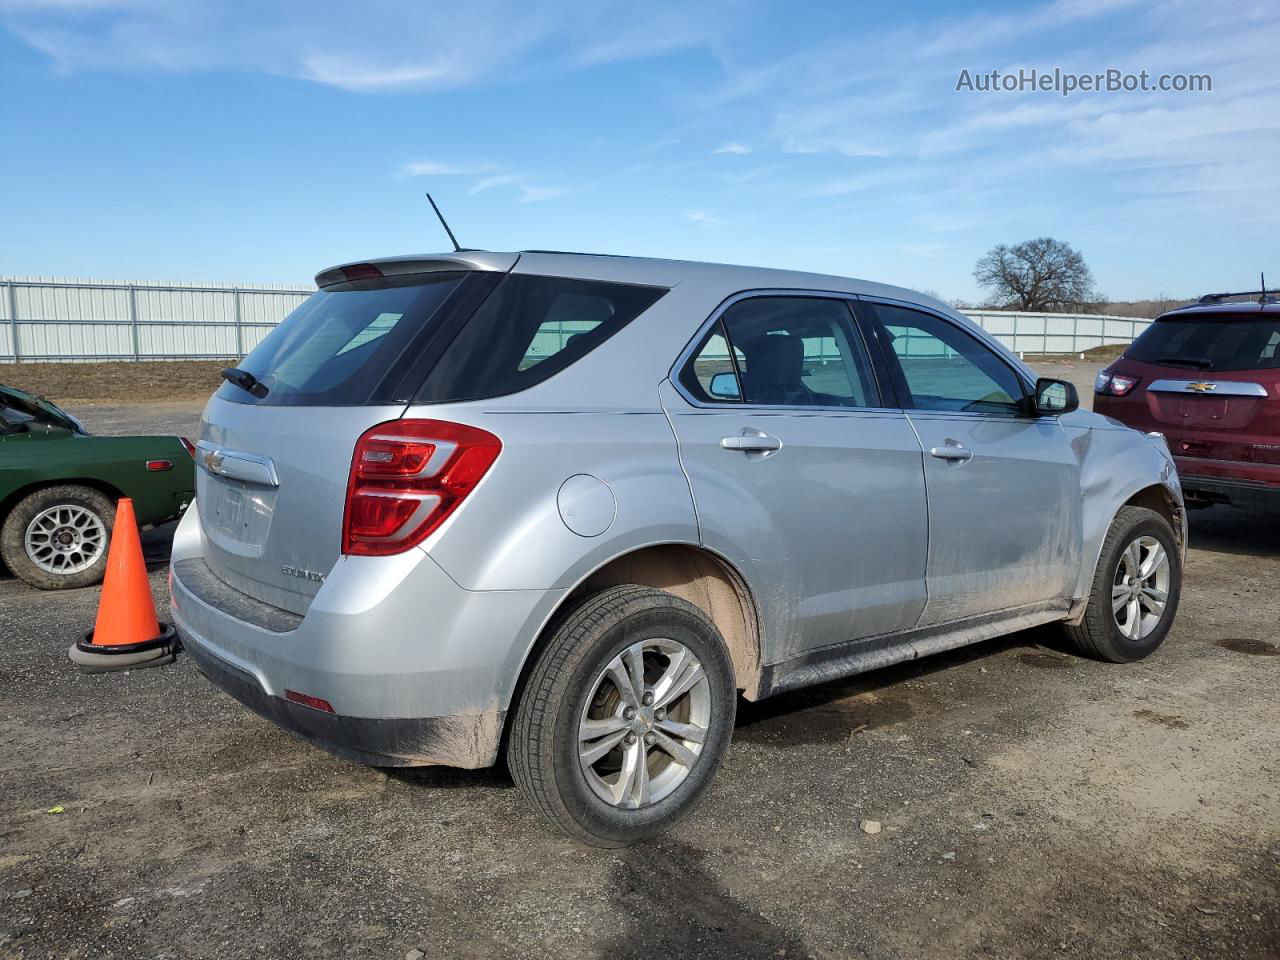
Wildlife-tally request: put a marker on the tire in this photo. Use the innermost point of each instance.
(92, 512)
(568, 682)
(1107, 633)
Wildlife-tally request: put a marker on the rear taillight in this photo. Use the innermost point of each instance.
(159, 466)
(188, 446)
(407, 476)
(1113, 384)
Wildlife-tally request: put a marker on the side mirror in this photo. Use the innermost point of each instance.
(724, 386)
(1055, 397)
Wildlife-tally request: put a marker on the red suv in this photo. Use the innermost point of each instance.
(1207, 376)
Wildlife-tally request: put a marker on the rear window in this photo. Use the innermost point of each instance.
(1226, 344)
(344, 345)
(529, 329)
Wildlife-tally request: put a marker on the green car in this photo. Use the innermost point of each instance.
(59, 487)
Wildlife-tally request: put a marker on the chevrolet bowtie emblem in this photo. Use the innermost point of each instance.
(213, 460)
(1202, 386)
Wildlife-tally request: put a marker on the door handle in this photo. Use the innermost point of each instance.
(951, 451)
(751, 443)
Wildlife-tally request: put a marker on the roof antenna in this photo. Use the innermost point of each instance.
(452, 238)
(1263, 286)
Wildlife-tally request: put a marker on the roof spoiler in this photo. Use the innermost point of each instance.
(428, 263)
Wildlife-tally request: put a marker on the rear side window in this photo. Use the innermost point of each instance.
(1238, 343)
(783, 351)
(529, 329)
(343, 344)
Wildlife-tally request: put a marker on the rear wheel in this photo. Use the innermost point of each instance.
(625, 717)
(1135, 590)
(56, 538)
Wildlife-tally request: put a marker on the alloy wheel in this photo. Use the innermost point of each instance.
(1140, 589)
(65, 539)
(644, 725)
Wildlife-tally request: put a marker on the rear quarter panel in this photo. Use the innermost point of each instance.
(510, 534)
(42, 457)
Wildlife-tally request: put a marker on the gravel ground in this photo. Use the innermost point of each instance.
(1033, 804)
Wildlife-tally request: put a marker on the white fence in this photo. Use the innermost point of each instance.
(1056, 332)
(49, 319)
(46, 318)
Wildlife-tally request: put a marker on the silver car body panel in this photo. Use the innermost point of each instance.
(842, 551)
(1004, 524)
(258, 531)
(856, 546)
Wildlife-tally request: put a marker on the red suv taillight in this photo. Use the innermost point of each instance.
(1113, 384)
(406, 477)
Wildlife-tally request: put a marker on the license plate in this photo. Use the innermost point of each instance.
(236, 515)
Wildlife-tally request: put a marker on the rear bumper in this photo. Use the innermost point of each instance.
(1238, 492)
(417, 670)
(459, 741)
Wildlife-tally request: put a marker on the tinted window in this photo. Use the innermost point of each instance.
(1241, 343)
(529, 329)
(944, 368)
(711, 375)
(787, 351)
(340, 345)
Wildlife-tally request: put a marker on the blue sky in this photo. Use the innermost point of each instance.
(260, 142)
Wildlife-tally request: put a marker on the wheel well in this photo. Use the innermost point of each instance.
(1160, 500)
(694, 575)
(106, 489)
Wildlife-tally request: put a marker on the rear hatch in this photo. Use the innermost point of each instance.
(1212, 383)
(275, 455)
(273, 468)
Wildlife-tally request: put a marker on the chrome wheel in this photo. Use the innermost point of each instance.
(1140, 589)
(65, 539)
(644, 725)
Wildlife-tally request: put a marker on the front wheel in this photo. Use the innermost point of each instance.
(1135, 590)
(56, 538)
(625, 717)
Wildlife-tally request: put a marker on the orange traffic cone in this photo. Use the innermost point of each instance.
(127, 634)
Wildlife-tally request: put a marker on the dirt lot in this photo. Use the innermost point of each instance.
(78, 383)
(1034, 804)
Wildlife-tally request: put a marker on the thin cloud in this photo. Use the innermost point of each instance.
(363, 76)
(733, 148)
(533, 194)
(499, 180)
(706, 217)
(391, 47)
(435, 168)
(526, 190)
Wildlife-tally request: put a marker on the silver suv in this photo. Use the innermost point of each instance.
(566, 507)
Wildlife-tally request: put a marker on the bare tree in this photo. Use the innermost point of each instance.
(1041, 275)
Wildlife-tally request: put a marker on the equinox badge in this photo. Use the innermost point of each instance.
(289, 571)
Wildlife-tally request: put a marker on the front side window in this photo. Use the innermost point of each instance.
(944, 368)
(528, 329)
(784, 351)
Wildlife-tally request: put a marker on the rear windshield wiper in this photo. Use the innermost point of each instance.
(1186, 362)
(246, 381)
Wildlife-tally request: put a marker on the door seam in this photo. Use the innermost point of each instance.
(928, 519)
(693, 501)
